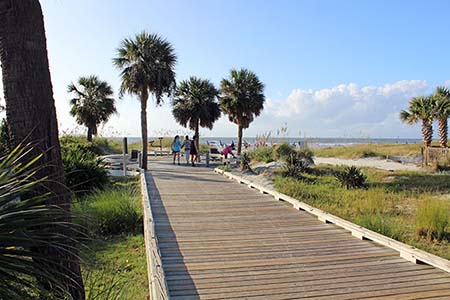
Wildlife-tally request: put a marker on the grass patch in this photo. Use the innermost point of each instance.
(116, 269)
(411, 207)
(262, 154)
(114, 262)
(369, 150)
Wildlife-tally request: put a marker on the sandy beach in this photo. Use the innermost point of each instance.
(372, 162)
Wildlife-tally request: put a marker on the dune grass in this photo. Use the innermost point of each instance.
(369, 150)
(408, 206)
(114, 262)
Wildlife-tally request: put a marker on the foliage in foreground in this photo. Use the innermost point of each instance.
(27, 224)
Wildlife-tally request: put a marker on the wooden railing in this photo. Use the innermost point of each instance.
(156, 277)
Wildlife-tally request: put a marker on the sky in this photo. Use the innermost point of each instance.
(330, 68)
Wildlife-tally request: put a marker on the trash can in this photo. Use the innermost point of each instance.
(134, 154)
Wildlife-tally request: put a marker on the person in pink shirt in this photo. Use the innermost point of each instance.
(228, 150)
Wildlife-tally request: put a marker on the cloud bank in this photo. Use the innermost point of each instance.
(345, 110)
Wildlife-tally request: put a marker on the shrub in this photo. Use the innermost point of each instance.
(115, 210)
(443, 165)
(298, 163)
(99, 145)
(283, 152)
(84, 171)
(245, 162)
(433, 218)
(261, 154)
(351, 178)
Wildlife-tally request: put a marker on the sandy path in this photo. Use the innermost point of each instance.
(374, 162)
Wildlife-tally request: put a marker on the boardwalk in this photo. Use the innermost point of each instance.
(222, 240)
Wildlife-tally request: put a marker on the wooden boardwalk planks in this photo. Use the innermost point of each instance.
(222, 240)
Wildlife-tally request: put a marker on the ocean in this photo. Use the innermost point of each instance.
(313, 142)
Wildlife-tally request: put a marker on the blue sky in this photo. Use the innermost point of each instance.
(331, 68)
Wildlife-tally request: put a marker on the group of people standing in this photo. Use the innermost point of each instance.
(190, 149)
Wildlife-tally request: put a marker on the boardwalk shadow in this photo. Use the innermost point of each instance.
(177, 276)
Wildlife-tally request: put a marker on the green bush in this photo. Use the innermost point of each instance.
(351, 178)
(99, 145)
(283, 152)
(433, 219)
(116, 210)
(245, 162)
(261, 154)
(84, 171)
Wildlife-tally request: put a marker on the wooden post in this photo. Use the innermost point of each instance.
(124, 151)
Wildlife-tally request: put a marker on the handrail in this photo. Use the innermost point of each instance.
(409, 253)
(156, 277)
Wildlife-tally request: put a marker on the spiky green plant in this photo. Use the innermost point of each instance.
(442, 113)
(28, 225)
(421, 109)
(242, 99)
(351, 178)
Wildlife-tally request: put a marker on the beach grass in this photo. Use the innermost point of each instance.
(411, 207)
(369, 150)
(113, 260)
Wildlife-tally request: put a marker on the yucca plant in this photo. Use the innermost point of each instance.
(351, 178)
(28, 225)
(245, 162)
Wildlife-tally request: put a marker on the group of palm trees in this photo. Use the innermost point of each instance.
(426, 109)
(147, 65)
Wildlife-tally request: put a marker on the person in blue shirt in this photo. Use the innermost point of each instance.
(176, 148)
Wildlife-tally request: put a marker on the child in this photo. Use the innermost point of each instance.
(187, 148)
(176, 148)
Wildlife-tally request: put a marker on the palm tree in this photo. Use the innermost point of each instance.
(195, 104)
(147, 65)
(92, 103)
(31, 116)
(442, 113)
(242, 99)
(421, 109)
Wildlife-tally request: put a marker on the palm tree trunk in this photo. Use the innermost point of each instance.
(240, 130)
(427, 133)
(197, 140)
(31, 114)
(144, 100)
(89, 134)
(443, 131)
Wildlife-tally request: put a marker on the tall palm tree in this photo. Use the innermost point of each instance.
(442, 113)
(421, 109)
(195, 104)
(242, 99)
(92, 103)
(147, 65)
(31, 116)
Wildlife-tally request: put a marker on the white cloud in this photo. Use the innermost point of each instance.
(346, 109)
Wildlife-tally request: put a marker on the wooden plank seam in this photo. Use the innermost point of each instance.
(407, 252)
